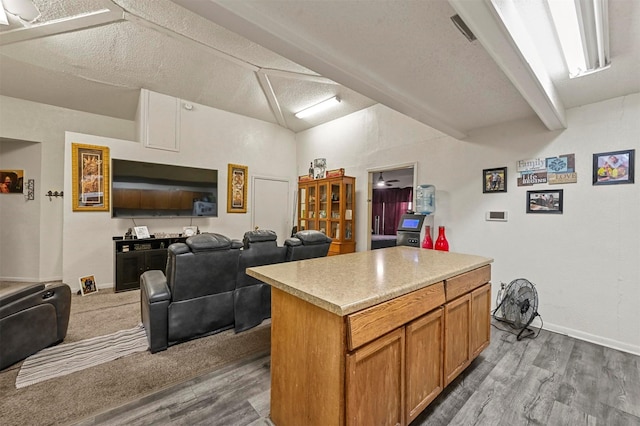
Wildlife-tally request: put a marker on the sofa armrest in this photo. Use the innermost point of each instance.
(154, 308)
(293, 242)
(10, 295)
(156, 286)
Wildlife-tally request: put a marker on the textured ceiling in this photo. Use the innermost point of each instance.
(267, 59)
(164, 48)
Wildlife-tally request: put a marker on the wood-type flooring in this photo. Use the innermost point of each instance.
(550, 380)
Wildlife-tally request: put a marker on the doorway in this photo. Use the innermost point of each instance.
(391, 194)
(271, 206)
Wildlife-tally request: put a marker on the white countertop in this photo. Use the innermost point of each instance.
(348, 283)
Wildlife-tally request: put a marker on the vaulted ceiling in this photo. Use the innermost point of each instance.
(267, 59)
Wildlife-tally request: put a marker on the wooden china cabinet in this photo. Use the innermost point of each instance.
(328, 205)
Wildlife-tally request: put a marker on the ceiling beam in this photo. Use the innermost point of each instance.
(64, 25)
(271, 98)
(498, 27)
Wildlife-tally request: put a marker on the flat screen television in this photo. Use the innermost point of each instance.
(141, 189)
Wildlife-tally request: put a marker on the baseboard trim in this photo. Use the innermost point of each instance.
(592, 338)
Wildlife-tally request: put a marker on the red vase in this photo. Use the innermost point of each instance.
(441, 243)
(427, 242)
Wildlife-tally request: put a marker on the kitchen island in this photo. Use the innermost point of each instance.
(372, 337)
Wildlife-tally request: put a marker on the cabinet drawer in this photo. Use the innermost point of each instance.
(371, 323)
(464, 283)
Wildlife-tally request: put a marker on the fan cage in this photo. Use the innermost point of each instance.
(518, 306)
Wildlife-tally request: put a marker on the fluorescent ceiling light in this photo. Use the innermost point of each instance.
(318, 107)
(583, 30)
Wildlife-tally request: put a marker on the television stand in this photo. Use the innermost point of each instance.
(133, 257)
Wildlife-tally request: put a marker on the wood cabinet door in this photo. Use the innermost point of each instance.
(480, 319)
(156, 259)
(457, 349)
(129, 267)
(375, 382)
(424, 355)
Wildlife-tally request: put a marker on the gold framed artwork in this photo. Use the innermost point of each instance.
(237, 182)
(90, 177)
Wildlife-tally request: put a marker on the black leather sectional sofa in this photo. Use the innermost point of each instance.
(205, 290)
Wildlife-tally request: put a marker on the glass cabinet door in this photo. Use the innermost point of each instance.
(349, 204)
(302, 208)
(323, 206)
(336, 214)
(312, 207)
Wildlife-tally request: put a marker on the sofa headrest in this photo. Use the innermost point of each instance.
(236, 244)
(259, 235)
(208, 242)
(311, 237)
(179, 248)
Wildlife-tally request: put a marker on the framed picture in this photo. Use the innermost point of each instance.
(141, 232)
(189, 231)
(11, 181)
(90, 177)
(237, 181)
(319, 168)
(88, 285)
(547, 201)
(610, 168)
(494, 180)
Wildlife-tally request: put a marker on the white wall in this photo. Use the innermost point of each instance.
(19, 217)
(209, 138)
(584, 262)
(39, 257)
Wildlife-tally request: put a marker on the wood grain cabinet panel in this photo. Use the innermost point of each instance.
(375, 382)
(480, 319)
(464, 283)
(457, 349)
(424, 356)
(368, 324)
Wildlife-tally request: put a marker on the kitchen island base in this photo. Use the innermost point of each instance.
(381, 365)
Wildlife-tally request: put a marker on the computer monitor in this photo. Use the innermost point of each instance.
(411, 222)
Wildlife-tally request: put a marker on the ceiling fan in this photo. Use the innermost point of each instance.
(382, 182)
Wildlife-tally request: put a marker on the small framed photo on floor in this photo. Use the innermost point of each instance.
(88, 285)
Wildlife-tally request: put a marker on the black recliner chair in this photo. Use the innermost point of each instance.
(194, 298)
(307, 244)
(32, 318)
(252, 298)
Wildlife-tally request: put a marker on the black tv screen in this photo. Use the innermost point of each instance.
(141, 189)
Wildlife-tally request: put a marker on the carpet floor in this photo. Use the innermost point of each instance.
(68, 399)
